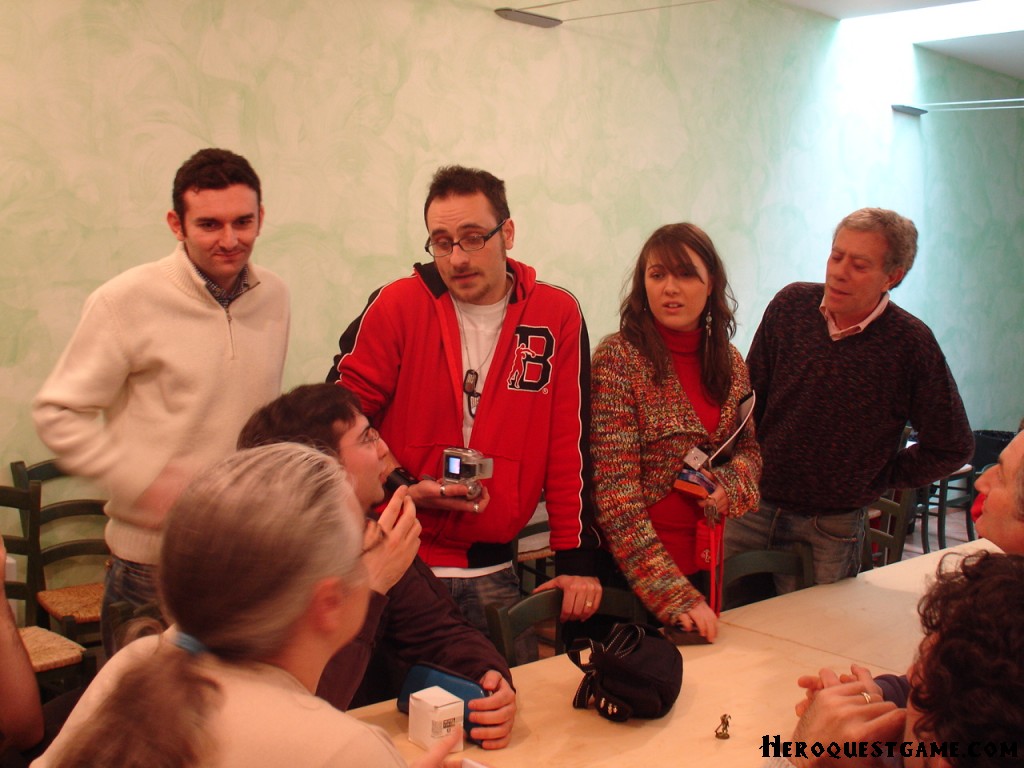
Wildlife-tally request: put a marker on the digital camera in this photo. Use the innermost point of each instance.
(466, 466)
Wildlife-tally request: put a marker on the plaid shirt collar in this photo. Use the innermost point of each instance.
(221, 296)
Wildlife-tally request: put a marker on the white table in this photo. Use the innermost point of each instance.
(870, 619)
(749, 673)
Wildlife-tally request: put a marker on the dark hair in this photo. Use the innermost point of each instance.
(307, 414)
(242, 551)
(968, 681)
(636, 323)
(457, 180)
(899, 232)
(212, 169)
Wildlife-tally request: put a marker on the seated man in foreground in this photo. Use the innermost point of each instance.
(964, 693)
(1002, 509)
(412, 617)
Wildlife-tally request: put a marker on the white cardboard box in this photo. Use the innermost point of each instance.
(433, 714)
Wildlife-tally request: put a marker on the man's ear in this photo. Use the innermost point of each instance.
(178, 227)
(894, 277)
(508, 233)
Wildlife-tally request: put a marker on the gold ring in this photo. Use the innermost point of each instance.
(589, 604)
(442, 491)
(476, 506)
(866, 695)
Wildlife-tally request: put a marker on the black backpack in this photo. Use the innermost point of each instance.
(635, 672)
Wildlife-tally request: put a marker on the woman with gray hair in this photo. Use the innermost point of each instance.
(260, 573)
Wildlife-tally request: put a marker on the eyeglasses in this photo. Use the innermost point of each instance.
(444, 246)
(370, 437)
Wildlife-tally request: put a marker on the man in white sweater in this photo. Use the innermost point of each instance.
(168, 361)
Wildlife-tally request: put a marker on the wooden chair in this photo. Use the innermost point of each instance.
(506, 623)
(885, 529)
(76, 607)
(957, 491)
(954, 491)
(59, 663)
(748, 577)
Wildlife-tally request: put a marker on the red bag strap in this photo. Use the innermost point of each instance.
(717, 566)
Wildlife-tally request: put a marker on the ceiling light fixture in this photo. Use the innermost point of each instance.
(983, 105)
(524, 15)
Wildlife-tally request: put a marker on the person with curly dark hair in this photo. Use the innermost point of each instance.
(964, 692)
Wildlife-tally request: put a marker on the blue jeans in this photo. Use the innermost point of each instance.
(501, 587)
(128, 583)
(836, 540)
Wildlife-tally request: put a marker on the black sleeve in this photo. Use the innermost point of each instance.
(347, 340)
(895, 688)
(344, 672)
(423, 624)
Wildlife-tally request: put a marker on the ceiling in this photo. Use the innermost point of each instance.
(1002, 52)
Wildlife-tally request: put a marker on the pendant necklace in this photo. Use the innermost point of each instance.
(472, 377)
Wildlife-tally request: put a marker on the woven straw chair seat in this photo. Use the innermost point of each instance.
(535, 554)
(48, 650)
(82, 602)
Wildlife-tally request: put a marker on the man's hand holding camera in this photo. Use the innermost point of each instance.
(459, 488)
(465, 467)
(446, 493)
(452, 496)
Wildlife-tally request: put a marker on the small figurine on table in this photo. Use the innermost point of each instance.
(722, 731)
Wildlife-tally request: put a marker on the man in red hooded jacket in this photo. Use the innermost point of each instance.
(472, 351)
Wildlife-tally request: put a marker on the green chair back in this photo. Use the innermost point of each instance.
(885, 534)
(748, 576)
(507, 623)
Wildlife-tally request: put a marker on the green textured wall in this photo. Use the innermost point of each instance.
(762, 123)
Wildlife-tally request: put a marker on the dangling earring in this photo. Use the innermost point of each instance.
(707, 324)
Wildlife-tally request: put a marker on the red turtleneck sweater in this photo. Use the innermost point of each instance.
(675, 517)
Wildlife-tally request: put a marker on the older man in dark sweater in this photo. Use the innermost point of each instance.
(839, 371)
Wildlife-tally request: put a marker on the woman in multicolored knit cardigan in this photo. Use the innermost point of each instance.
(669, 380)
